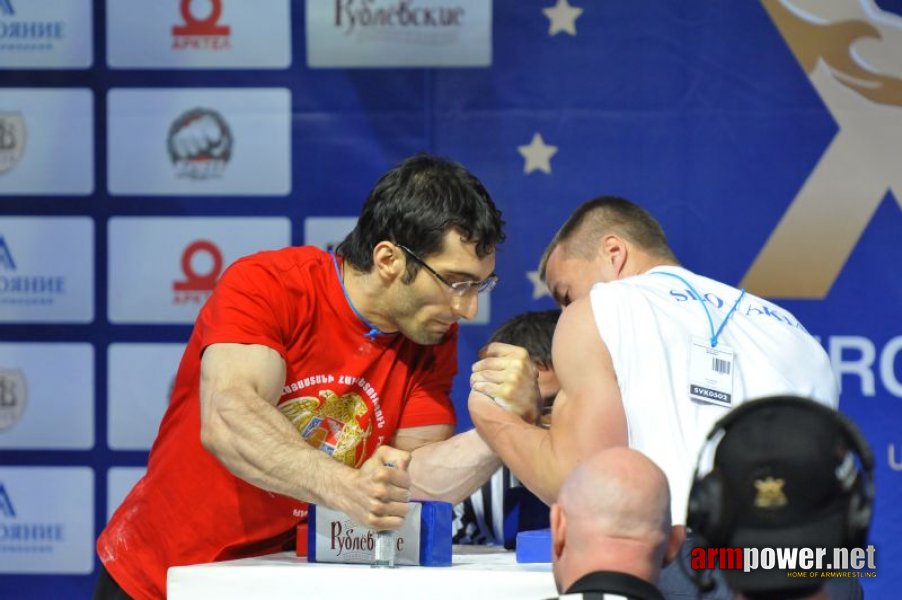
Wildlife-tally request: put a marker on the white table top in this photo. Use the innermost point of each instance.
(476, 572)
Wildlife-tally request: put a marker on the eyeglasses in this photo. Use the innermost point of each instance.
(459, 288)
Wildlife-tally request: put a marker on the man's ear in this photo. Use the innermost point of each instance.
(389, 261)
(677, 537)
(615, 252)
(558, 529)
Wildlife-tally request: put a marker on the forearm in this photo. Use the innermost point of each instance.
(257, 444)
(452, 469)
(526, 449)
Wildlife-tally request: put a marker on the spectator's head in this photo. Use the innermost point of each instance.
(425, 240)
(782, 472)
(613, 514)
(605, 239)
(534, 331)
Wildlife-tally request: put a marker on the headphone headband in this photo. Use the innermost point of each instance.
(849, 429)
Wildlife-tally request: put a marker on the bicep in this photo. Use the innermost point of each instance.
(588, 413)
(242, 369)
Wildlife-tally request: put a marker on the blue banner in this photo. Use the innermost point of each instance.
(766, 137)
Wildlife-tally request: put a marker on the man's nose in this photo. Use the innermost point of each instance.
(466, 306)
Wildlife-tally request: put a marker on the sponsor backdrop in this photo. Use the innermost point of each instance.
(146, 145)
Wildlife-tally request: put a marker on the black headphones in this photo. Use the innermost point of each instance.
(710, 516)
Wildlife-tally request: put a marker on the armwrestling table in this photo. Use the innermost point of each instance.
(475, 572)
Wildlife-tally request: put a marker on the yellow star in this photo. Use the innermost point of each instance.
(562, 17)
(537, 155)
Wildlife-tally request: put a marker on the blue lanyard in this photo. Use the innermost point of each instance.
(374, 331)
(714, 334)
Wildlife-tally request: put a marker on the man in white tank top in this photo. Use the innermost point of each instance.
(648, 355)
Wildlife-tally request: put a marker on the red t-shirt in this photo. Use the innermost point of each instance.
(346, 394)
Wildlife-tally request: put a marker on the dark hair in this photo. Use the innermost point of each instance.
(415, 204)
(532, 330)
(608, 214)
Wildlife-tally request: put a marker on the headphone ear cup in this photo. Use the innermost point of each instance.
(858, 519)
(705, 515)
(861, 496)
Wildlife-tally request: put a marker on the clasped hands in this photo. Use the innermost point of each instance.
(378, 493)
(507, 377)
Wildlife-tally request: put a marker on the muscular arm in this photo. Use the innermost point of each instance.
(443, 467)
(240, 426)
(587, 417)
(451, 468)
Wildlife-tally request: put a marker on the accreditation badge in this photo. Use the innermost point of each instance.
(711, 373)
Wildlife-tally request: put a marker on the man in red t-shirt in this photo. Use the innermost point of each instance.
(309, 374)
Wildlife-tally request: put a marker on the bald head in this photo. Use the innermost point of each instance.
(613, 513)
(619, 492)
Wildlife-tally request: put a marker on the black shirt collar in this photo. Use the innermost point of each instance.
(612, 582)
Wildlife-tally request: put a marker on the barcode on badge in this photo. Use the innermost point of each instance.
(720, 366)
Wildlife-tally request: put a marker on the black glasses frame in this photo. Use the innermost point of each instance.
(459, 288)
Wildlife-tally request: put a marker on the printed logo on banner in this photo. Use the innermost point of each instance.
(45, 34)
(6, 505)
(24, 35)
(199, 144)
(204, 33)
(347, 33)
(197, 287)
(46, 269)
(13, 397)
(27, 288)
(162, 269)
(400, 20)
(45, 130)
(20, 536)
(41, 412)
(197, 34)
(212, 141)
(851, 52)
(12, 139)
(6, 258)
(46, 520)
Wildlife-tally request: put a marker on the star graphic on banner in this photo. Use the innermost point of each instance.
(537, 154)
(539, 288)
(562, 17)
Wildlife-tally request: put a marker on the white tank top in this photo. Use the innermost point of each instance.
(648, 322)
